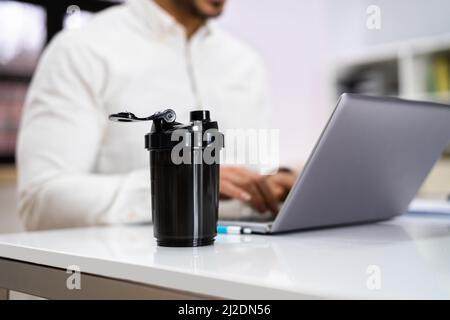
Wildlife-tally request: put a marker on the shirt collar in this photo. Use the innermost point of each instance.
(160, 21)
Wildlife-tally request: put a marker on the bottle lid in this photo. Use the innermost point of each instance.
(200, 115)
(166, 133)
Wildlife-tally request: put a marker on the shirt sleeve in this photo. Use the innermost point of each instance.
(60, 133)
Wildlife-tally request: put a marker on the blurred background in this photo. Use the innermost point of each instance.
(314, 51)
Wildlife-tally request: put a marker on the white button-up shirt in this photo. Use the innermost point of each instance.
(77, 168)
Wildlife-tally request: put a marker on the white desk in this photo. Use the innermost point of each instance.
(413, 254)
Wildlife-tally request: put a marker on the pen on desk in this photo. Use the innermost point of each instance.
(233, 230)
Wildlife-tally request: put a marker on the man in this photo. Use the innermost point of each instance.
(76, 168)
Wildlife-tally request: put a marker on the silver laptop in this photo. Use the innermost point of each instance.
(368, 164)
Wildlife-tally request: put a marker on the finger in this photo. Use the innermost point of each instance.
(246, 180)
(230, 190)
(284, 179)
(242, 176)
(258, 203)
(278, 192)
(269, 197)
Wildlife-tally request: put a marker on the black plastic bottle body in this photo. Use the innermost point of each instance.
(184, 200)
(184, 174)
(184, 181)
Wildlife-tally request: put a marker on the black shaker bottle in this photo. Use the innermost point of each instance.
(184, 176)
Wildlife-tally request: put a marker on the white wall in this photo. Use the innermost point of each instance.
(299, 38)
(289, 35)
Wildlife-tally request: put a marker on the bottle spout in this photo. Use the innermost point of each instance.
(167, 116)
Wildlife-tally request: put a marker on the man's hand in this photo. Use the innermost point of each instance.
(262, 193)
(281, 183)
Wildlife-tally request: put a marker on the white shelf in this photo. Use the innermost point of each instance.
(411, 58)
(395, 51)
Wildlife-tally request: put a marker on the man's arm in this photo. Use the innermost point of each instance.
(61, 130)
